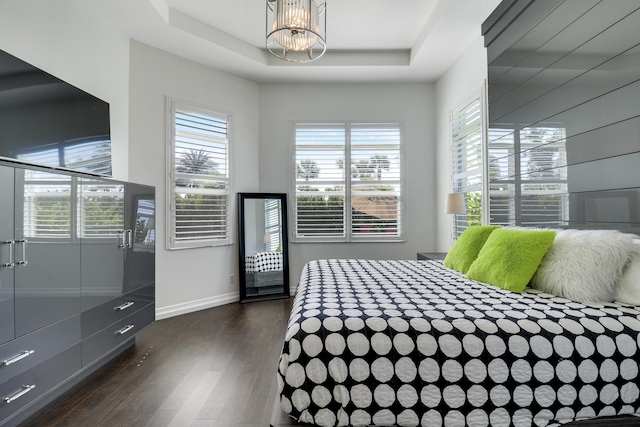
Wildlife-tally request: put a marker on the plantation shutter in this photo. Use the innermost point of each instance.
(466, 126)
(375, 180)
(91, 156)
(544, 179)
(47, 205)
(102, 209)
(47, 157)
(200, 154)
(528, 176)
(347, 182)
(320, 181)
(272, 221)
(502, 187)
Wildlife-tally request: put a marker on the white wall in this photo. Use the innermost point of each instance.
(280, 104)
(135, 79)
(77, 48)
(188, 279)
(465, 76)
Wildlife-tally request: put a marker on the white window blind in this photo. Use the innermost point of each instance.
(348, 184)
(92, 156)
(101, 208)
(200, 203)
(466, 127)
(89, 155)
(528, 176)
(47, 205)
(272, 221)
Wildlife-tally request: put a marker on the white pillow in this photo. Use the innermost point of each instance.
(627, 288)
(584, 265)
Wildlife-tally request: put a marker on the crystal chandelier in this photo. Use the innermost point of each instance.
(295, 30)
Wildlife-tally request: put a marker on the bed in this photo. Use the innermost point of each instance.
(415, 343)
(263, 269)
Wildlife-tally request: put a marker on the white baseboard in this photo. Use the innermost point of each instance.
(191, 306)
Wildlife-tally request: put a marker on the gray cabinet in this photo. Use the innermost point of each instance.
(102, 234)
(7, 328)
(47, 271)
(118, 263)
(77, 280)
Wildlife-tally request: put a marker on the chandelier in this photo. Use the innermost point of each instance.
(295, 31)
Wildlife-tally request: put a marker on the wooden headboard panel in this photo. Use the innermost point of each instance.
(564, 113)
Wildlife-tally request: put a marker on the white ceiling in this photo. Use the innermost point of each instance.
(367, 40)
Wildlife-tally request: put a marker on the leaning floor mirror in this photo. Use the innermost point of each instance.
(262, 244)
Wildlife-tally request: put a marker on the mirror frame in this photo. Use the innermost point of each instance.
(285, 291)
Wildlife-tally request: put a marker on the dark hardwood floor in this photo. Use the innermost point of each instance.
(215, 367)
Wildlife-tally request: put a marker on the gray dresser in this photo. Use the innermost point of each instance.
(77, 280)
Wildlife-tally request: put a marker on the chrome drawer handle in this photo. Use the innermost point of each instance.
(17, 357)
(124, 330)
(11, 263)
(123, 306)
(18, 393)
(24, 252)
(129, 243)
(121, 238)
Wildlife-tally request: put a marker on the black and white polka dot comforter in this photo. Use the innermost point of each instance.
(263, 261)
(413, 343)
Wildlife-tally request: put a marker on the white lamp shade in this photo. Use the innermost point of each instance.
(455, 204)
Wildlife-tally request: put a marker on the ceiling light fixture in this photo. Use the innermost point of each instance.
(296, 29)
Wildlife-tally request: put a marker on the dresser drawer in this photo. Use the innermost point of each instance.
(20, 354)
(97, 345)
(23, 389)
(99, 317)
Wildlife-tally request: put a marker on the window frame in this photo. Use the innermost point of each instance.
(173, 104)
(349, 235)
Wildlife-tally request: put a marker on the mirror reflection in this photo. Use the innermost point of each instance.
(263, 252)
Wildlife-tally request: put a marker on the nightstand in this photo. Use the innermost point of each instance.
(434, 256)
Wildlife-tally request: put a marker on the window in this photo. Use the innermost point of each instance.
(65, 207)
(88, 155)
(272, 221)
(467, 148)
(47, 205)
(348, 184)
(528, 176)
(101, 205)
(199, 207)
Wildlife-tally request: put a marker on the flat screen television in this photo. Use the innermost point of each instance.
(46, 121)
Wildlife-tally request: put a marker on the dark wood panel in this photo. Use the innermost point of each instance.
(564, 114)
(603, 63)
(524, 57)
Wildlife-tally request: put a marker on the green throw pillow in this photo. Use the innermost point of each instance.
(466, 249)
(510, 257)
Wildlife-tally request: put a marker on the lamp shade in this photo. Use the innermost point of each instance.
(455, 203)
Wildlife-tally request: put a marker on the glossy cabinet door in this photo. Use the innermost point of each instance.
(7, 331)
(140, 251)
(118, 252)
(47, 253)
(103, 237)
(77, 279)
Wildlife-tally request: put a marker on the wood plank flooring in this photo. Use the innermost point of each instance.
(215, 367)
